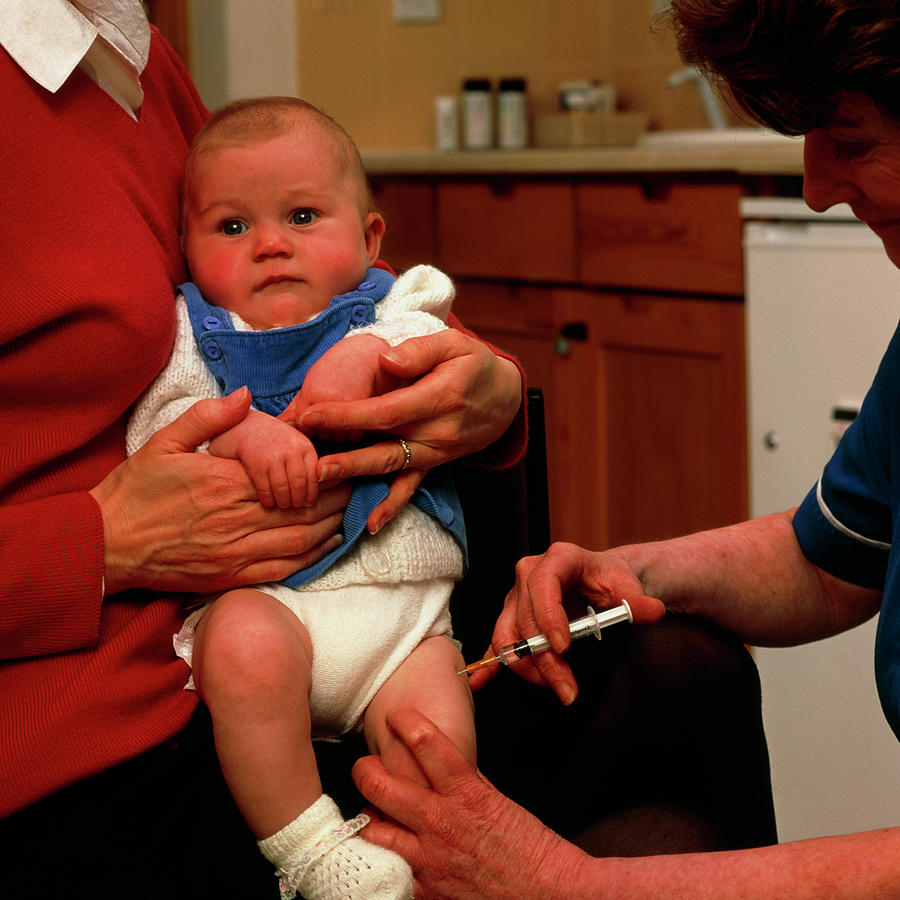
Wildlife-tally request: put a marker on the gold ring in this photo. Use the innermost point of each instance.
(408, 453)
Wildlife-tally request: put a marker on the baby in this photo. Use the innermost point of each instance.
(281, 237)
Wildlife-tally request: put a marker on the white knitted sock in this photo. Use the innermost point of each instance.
(318, 857)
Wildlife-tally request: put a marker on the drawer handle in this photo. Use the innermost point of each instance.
(571, 331)
(574, 331)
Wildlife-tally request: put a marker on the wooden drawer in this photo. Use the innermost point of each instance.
(496, 228)
(660, 235)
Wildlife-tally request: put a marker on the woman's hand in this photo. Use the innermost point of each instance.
(463, 399)
(461, 836)
(535, 606)
(176, 520)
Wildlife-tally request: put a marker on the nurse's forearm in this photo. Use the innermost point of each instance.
(753, 579)
(856, 867)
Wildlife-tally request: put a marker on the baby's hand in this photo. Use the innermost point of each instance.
(350, 370)
(278, 459)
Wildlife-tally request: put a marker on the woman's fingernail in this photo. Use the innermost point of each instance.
(567, 694)
(312, 420)
(557, 641)
(330, 472)
(236, 398)
(398, 357)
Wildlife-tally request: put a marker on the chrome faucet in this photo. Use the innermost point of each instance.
(712, 105)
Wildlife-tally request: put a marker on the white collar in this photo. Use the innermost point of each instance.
(108, 39)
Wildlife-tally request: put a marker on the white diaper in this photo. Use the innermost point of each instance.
(360, 633)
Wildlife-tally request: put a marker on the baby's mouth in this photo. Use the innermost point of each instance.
(276, 279)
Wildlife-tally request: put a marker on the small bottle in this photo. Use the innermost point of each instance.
(477, 116)
(446, 123)
(512, 114)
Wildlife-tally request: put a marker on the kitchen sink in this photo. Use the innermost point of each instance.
(712, 137)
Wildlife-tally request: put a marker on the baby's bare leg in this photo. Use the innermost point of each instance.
(251, 664)
(252, 659)
(427, 681)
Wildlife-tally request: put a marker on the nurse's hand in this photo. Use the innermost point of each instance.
(463, 839)
(177, 520)
(535, 605)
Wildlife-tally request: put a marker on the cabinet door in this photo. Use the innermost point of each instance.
(522, 321)
(663, 411)
(644, 400)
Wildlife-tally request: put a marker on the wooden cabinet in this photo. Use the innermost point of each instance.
(623, 302)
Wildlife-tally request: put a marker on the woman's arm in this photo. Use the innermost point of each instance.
(61, 539)
(167, 518)
(464, 839)
(750, 578)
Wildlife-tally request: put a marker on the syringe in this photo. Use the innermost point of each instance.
(592, 623)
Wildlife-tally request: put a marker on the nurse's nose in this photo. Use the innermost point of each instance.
(271, 241)
(827, 178)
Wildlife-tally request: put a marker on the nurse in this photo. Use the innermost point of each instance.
(829, 70)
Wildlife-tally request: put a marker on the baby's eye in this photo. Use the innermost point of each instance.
(233, 227)
(303, 217)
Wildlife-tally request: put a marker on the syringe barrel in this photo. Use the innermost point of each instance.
(578, 628)
(583, 627)
(594, 621)
(521, 649)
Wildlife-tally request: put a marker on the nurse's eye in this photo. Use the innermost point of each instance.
(848, 150)
(303, 217)
(233, 227)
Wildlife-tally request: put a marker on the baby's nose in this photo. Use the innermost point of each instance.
(272, 242)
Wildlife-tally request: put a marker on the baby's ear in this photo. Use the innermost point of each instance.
(373, 229)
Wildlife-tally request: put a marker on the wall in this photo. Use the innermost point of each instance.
(378, 77)
(237, 52)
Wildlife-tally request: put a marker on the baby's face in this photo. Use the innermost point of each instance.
(275, 229)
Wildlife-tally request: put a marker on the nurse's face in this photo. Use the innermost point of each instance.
(856, 160)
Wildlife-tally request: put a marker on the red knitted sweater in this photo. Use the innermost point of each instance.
(88, 257)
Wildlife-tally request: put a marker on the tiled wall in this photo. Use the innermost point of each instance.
(378, 77)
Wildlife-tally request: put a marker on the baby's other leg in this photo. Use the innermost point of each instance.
(251, 664)
(428, 681)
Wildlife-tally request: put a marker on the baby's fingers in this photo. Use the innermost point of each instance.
(282, 486)
(264, 492)
(304, 479)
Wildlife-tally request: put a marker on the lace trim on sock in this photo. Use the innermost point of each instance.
(290, 880)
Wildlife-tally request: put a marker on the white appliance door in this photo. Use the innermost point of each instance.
(822, 303)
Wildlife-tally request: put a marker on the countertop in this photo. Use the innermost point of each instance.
(778, 156)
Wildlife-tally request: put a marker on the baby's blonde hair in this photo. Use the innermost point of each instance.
(244, 122)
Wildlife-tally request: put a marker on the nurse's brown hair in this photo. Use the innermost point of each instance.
(784, 62)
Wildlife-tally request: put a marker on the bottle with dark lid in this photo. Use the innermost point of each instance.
(512, 114)
(477, 114)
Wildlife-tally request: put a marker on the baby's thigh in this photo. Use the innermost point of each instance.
(427, 681)
(248, 639)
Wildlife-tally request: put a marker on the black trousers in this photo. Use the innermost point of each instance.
(662, 752)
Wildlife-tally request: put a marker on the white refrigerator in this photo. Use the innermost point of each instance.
(822, 302)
